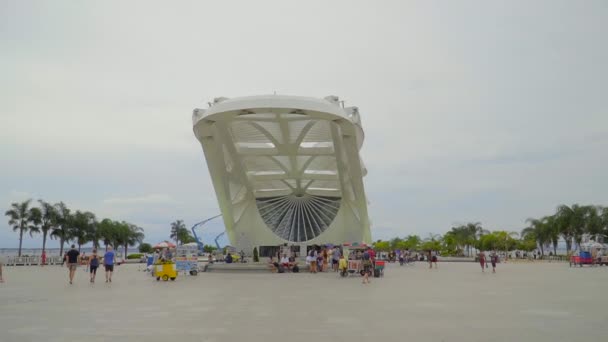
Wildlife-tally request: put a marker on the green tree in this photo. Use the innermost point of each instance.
(412, 242)
(209, 248)
(135, 236)
(538, 231)
(571, 222)
(48, 219)
(83, 227)
(487, 242)
(177, 228)
(593, 222)
(395, 243)
(107, 232)
(121, 234)
(450, 244)
(470, 234)
(145, 248)
(184, 236)
(382, 246)
(604, 218)
(505, 241)
(35, 220)
(527, 244)
(433, 242)
(62, 228)
(22, 220)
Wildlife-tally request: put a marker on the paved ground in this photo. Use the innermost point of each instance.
(523, 302)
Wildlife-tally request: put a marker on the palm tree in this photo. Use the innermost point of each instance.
(135, 236)
(571, 221)
(593, 221)
(48, 218)
(175, 230)
(107, 232)
(551, 228)
(473, 232)
(20, 218)
(62, 228)
(83, 227)
(538, 230)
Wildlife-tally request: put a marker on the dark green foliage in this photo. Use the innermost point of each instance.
(145, 248)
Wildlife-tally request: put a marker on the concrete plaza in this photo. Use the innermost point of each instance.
(522, 302)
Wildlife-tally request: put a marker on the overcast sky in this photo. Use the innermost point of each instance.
(490, 111)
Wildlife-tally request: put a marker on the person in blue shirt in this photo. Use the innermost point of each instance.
(108, 263)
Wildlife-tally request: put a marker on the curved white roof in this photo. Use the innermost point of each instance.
(285, 151)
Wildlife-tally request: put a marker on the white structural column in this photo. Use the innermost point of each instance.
(286, 169)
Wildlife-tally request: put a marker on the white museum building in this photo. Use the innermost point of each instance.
(286, 170)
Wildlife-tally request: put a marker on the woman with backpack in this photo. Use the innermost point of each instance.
(93, 265)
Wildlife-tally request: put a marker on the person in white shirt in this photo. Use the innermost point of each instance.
(285, 261)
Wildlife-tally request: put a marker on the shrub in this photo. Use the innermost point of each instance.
(135, 256)
(256, 256)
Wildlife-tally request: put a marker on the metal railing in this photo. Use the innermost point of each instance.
(32, 260)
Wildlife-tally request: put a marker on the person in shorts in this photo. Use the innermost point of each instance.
(72, 259)
(335, 259)
(108, 263)
(494, 260)
(433, 259)
(367, 267)
(342, 266)
(93, 265)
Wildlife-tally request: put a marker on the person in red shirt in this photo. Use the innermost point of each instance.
(372, 254)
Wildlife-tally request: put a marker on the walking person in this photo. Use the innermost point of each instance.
(429, 258)
(434, 258)
(72, 257)
(494, 260)
(335, 259)
(1, 264)
(108, 263)
(325, 259)
(43, 259)
(482, 260)
(93, 265)
(367, 267)
(313, 261)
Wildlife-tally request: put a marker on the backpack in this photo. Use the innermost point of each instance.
(295, 269)
(281, 269)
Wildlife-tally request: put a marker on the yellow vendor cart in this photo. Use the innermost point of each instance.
(165, 270)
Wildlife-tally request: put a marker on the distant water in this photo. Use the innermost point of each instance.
(52, 251)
